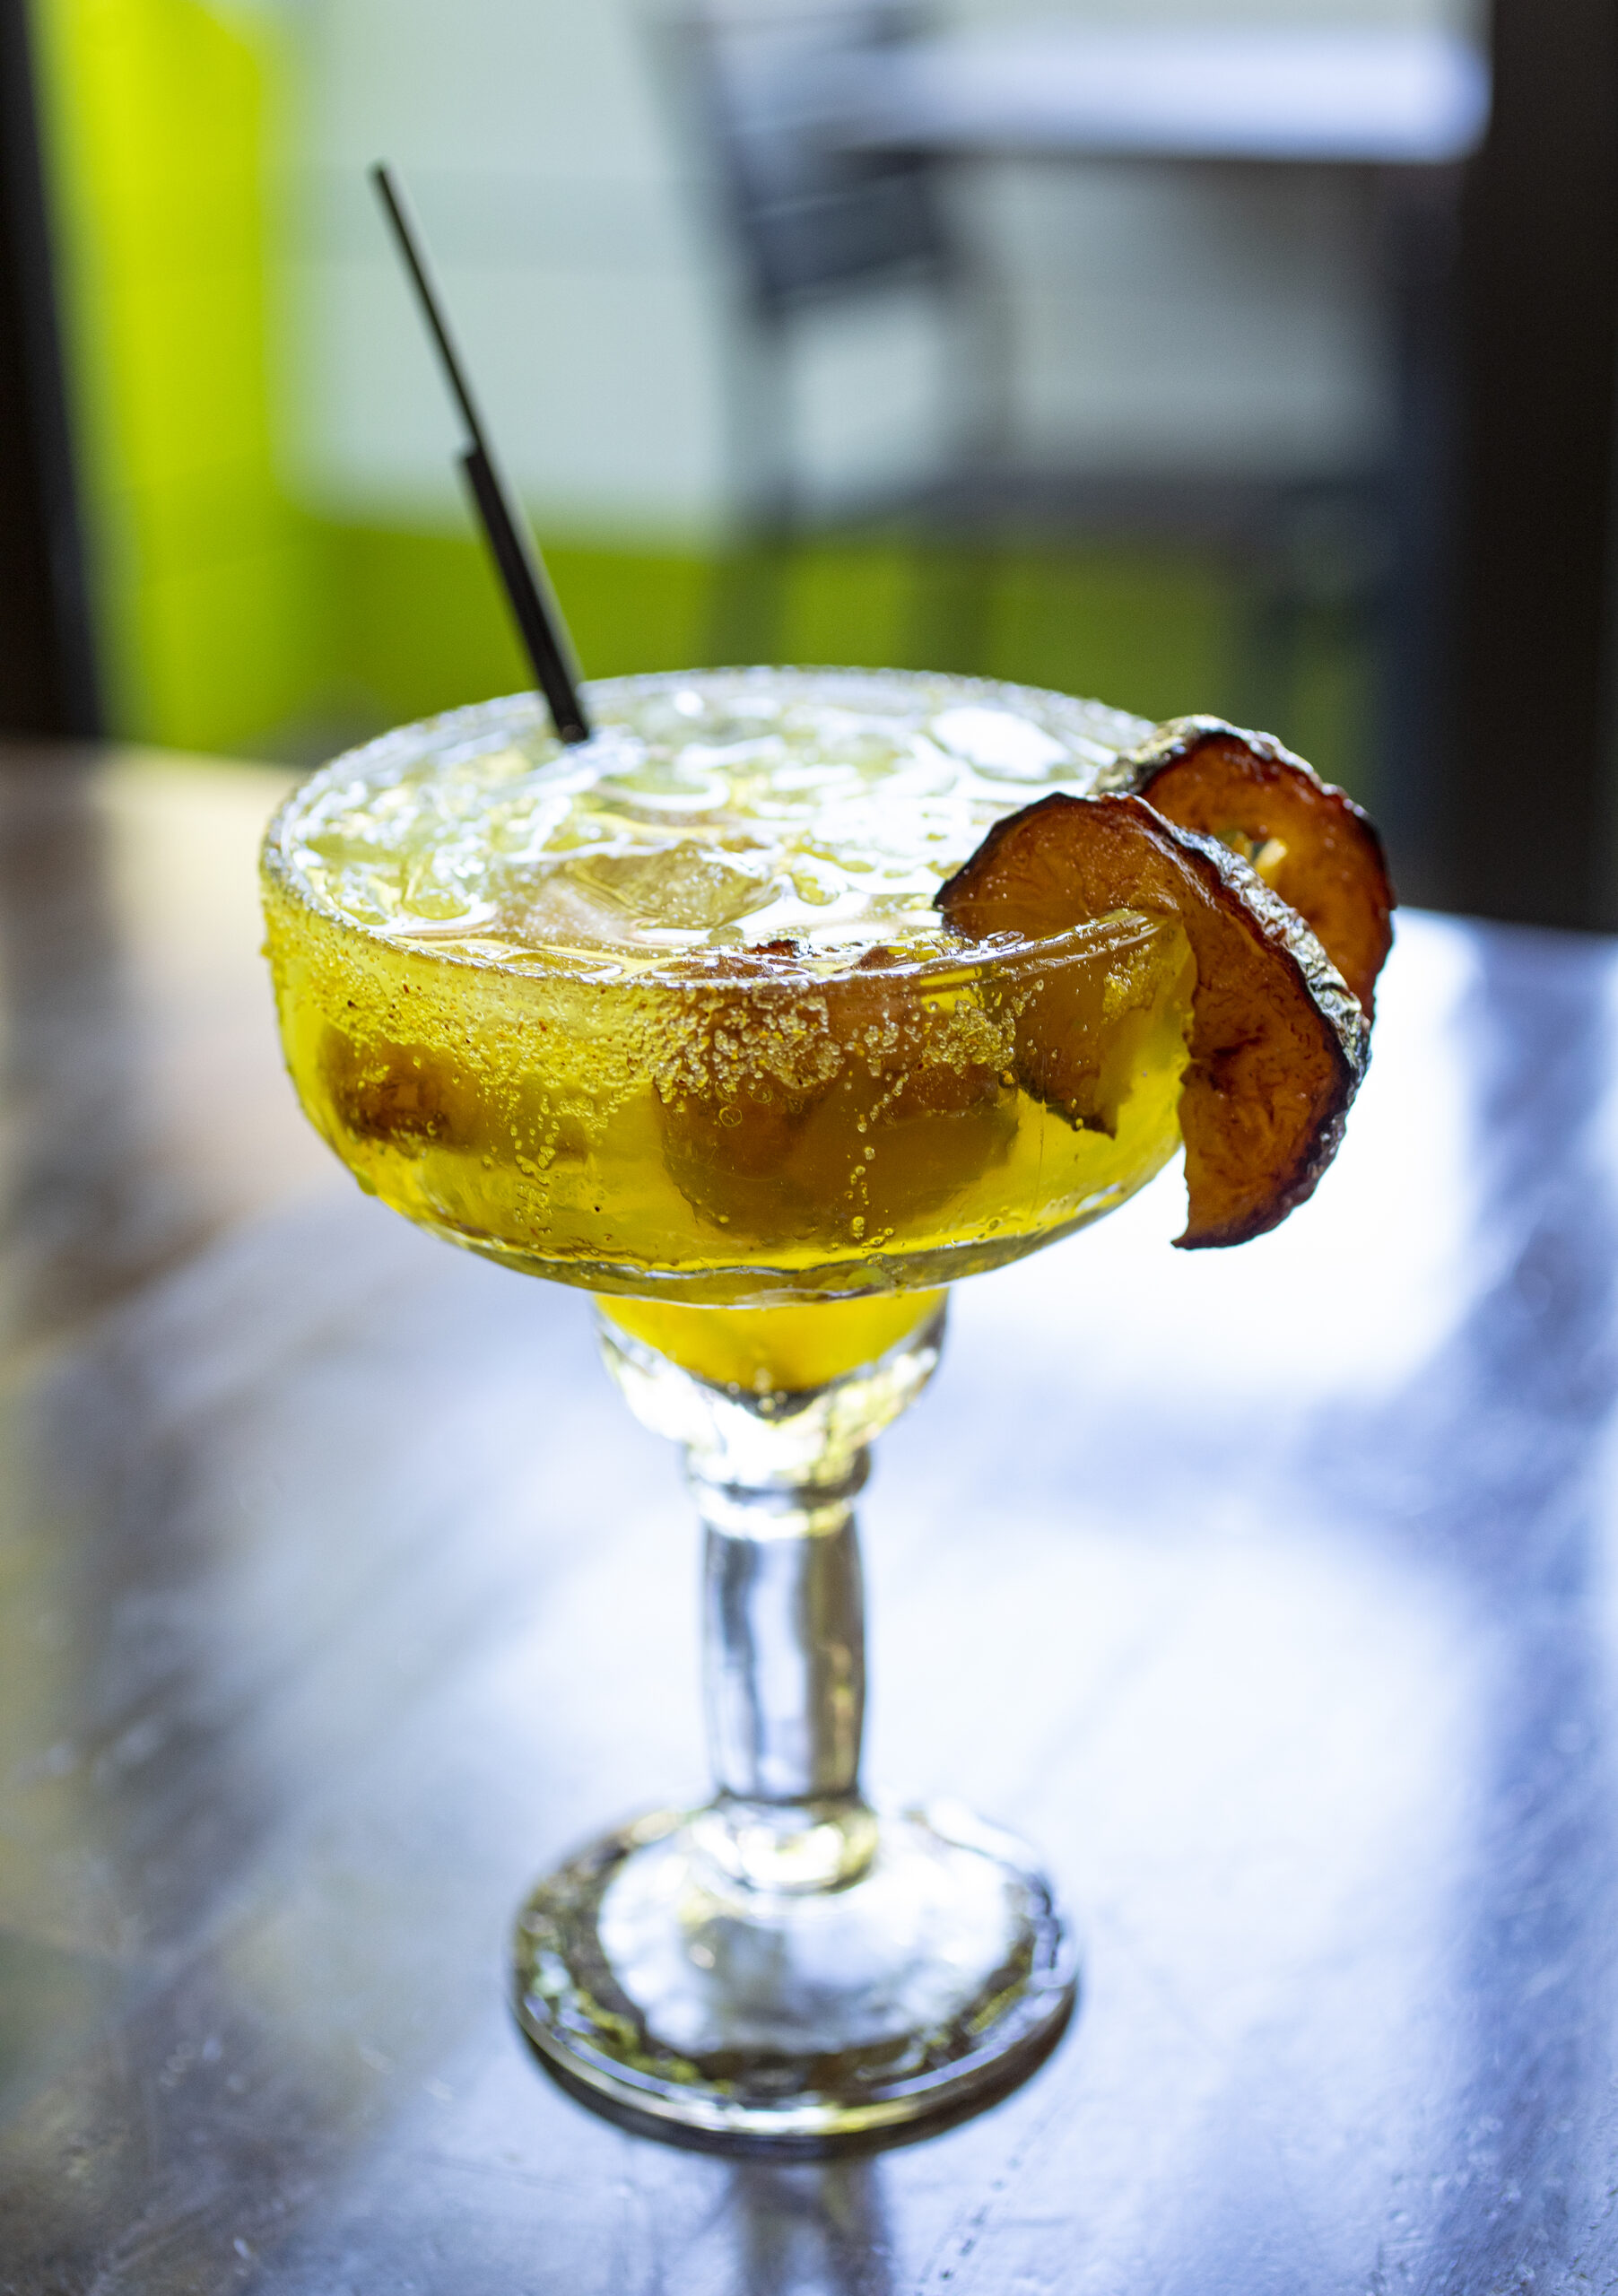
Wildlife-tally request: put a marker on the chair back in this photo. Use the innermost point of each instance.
(774, 84)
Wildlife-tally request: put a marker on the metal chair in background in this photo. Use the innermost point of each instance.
(817, 219)
(815, 227)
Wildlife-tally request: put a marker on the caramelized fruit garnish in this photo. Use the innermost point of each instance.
(398, 1095)
(1308, 840)
(1277, 1044)
(829, 1109)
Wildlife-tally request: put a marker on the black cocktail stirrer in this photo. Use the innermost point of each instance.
(534, 608)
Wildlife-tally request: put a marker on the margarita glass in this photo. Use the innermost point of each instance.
(671, 1016)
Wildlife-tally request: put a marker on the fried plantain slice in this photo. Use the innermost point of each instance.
(1277, 1044)
(1308, 840)
(829, 1109)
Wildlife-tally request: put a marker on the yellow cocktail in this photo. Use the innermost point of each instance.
(673, 1017)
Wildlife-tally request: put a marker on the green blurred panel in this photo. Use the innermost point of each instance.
(226, 649)
(419, 623)
(1332, 720)
(193, 389)
(856, 604)
(205, 518)
(633, 611)
(422, 626)
(162, 118)
(1152, 634)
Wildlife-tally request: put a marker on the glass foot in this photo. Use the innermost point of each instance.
(652, 1970)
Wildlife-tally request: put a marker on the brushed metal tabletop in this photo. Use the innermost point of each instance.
(1271, 1592)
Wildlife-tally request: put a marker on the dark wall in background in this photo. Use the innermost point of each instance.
(1525, 828)
(48, 680)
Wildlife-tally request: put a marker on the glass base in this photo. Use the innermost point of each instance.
(651, 1970)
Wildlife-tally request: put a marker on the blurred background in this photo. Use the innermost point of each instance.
(1164, 350)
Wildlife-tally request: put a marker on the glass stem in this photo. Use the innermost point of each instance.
(775, 1477)
(784, 1639)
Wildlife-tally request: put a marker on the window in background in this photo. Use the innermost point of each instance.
(285, 559)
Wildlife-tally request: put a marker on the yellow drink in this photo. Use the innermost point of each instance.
(768, 1349)
(671, 1016)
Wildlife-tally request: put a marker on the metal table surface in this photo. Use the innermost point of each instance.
(1272, 1592)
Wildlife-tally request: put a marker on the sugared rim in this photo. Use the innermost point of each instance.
(459, 732)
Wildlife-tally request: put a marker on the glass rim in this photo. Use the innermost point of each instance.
(465, 729)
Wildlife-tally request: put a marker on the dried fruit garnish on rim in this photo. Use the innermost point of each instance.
(1308, 840)
(1277, 1045)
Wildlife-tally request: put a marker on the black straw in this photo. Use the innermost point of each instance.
(533, 606)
